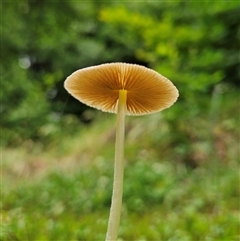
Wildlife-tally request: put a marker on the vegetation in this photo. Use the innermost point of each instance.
(58, 196)
(182, 165)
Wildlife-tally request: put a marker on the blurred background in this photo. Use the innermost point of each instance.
(182, 165)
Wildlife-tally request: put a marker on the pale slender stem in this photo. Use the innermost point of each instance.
(115, 211)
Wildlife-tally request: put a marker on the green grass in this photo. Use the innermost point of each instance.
(177, 188)
(160, 203)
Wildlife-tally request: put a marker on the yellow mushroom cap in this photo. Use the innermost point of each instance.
(98, 87)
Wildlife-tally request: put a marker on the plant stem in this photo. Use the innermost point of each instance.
(115, 211)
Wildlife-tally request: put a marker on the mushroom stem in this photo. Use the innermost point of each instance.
(115, 211)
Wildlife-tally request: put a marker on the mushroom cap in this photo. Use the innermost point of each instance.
(98, 87)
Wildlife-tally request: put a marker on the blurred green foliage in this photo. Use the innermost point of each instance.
(194, 44)
(171, 191)
(162, 201)
(58, 205)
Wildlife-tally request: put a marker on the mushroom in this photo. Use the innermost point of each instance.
(123, 89)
